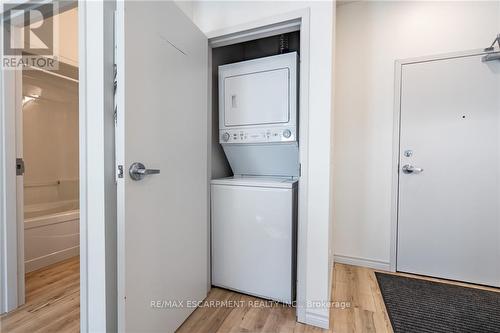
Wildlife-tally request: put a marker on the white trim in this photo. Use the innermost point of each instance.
(318, 320)
(395, 168)
(444, 56)
(8, 206)
(303, 199)
(331, 271)
(120, 156)
(363, 262)
(270, 25)
(255, 33)
(397, 133)
(209, 169)
(97, 187)
(267, 27)
(82, 107)
(51, 258)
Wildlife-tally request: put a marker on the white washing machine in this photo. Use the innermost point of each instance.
(254, 214)
(254, 236)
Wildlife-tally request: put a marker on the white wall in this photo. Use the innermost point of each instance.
(210, 16)
(68, 36)
(66, 25)
(50, 138)
(370, 37)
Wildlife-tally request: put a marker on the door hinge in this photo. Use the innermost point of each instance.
(19, 167)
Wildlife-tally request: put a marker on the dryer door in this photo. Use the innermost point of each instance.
(259, 93)
(257, 98)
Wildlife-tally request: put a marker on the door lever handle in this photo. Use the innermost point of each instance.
(138, 171)
(411, 169)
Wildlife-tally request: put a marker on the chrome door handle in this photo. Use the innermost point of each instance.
(138, 171)
(411, 169)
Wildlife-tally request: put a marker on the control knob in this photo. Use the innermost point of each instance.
(225, 137)
(287, 133)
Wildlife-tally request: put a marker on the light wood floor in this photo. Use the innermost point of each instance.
(53, 306)
(353, 285)
(52, 301)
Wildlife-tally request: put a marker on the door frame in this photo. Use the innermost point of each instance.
(97, 193)
(98, 300)
(298, 20)
(9, 231)
(398, 68)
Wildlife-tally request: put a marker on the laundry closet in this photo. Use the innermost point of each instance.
(255, 166)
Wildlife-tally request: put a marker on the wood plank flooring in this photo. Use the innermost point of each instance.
(52, 301)
(53, 306)
(356, 286)
(353, 286)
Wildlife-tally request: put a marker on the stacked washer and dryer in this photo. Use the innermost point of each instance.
(254, 213)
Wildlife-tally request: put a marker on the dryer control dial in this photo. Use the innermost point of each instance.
(225, 137)
(287, 133)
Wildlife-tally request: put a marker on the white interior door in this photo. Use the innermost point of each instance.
(449, 221)
(162, 123)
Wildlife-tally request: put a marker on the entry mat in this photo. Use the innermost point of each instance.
(422, 306)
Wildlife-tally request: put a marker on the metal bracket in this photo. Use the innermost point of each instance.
(19, 167)
(120, 171)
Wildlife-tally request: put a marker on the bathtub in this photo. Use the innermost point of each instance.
(51, 233)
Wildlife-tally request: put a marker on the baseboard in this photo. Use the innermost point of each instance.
(318, 320)
(331, 263)
(363, 262)
(37, 263)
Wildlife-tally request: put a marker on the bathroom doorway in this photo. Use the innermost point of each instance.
(50, 154)
(47, 167)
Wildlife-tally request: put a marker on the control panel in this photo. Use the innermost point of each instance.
(258, 135)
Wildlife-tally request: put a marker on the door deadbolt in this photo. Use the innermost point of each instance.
(408, 153)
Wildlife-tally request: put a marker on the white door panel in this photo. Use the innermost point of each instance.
(449, 222)
(162, 123)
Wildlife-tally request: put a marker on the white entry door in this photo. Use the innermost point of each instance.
(449, 172)
(162, 124)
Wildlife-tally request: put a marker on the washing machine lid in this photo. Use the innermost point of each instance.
(257, 181)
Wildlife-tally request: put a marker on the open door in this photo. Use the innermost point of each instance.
(162, 148)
